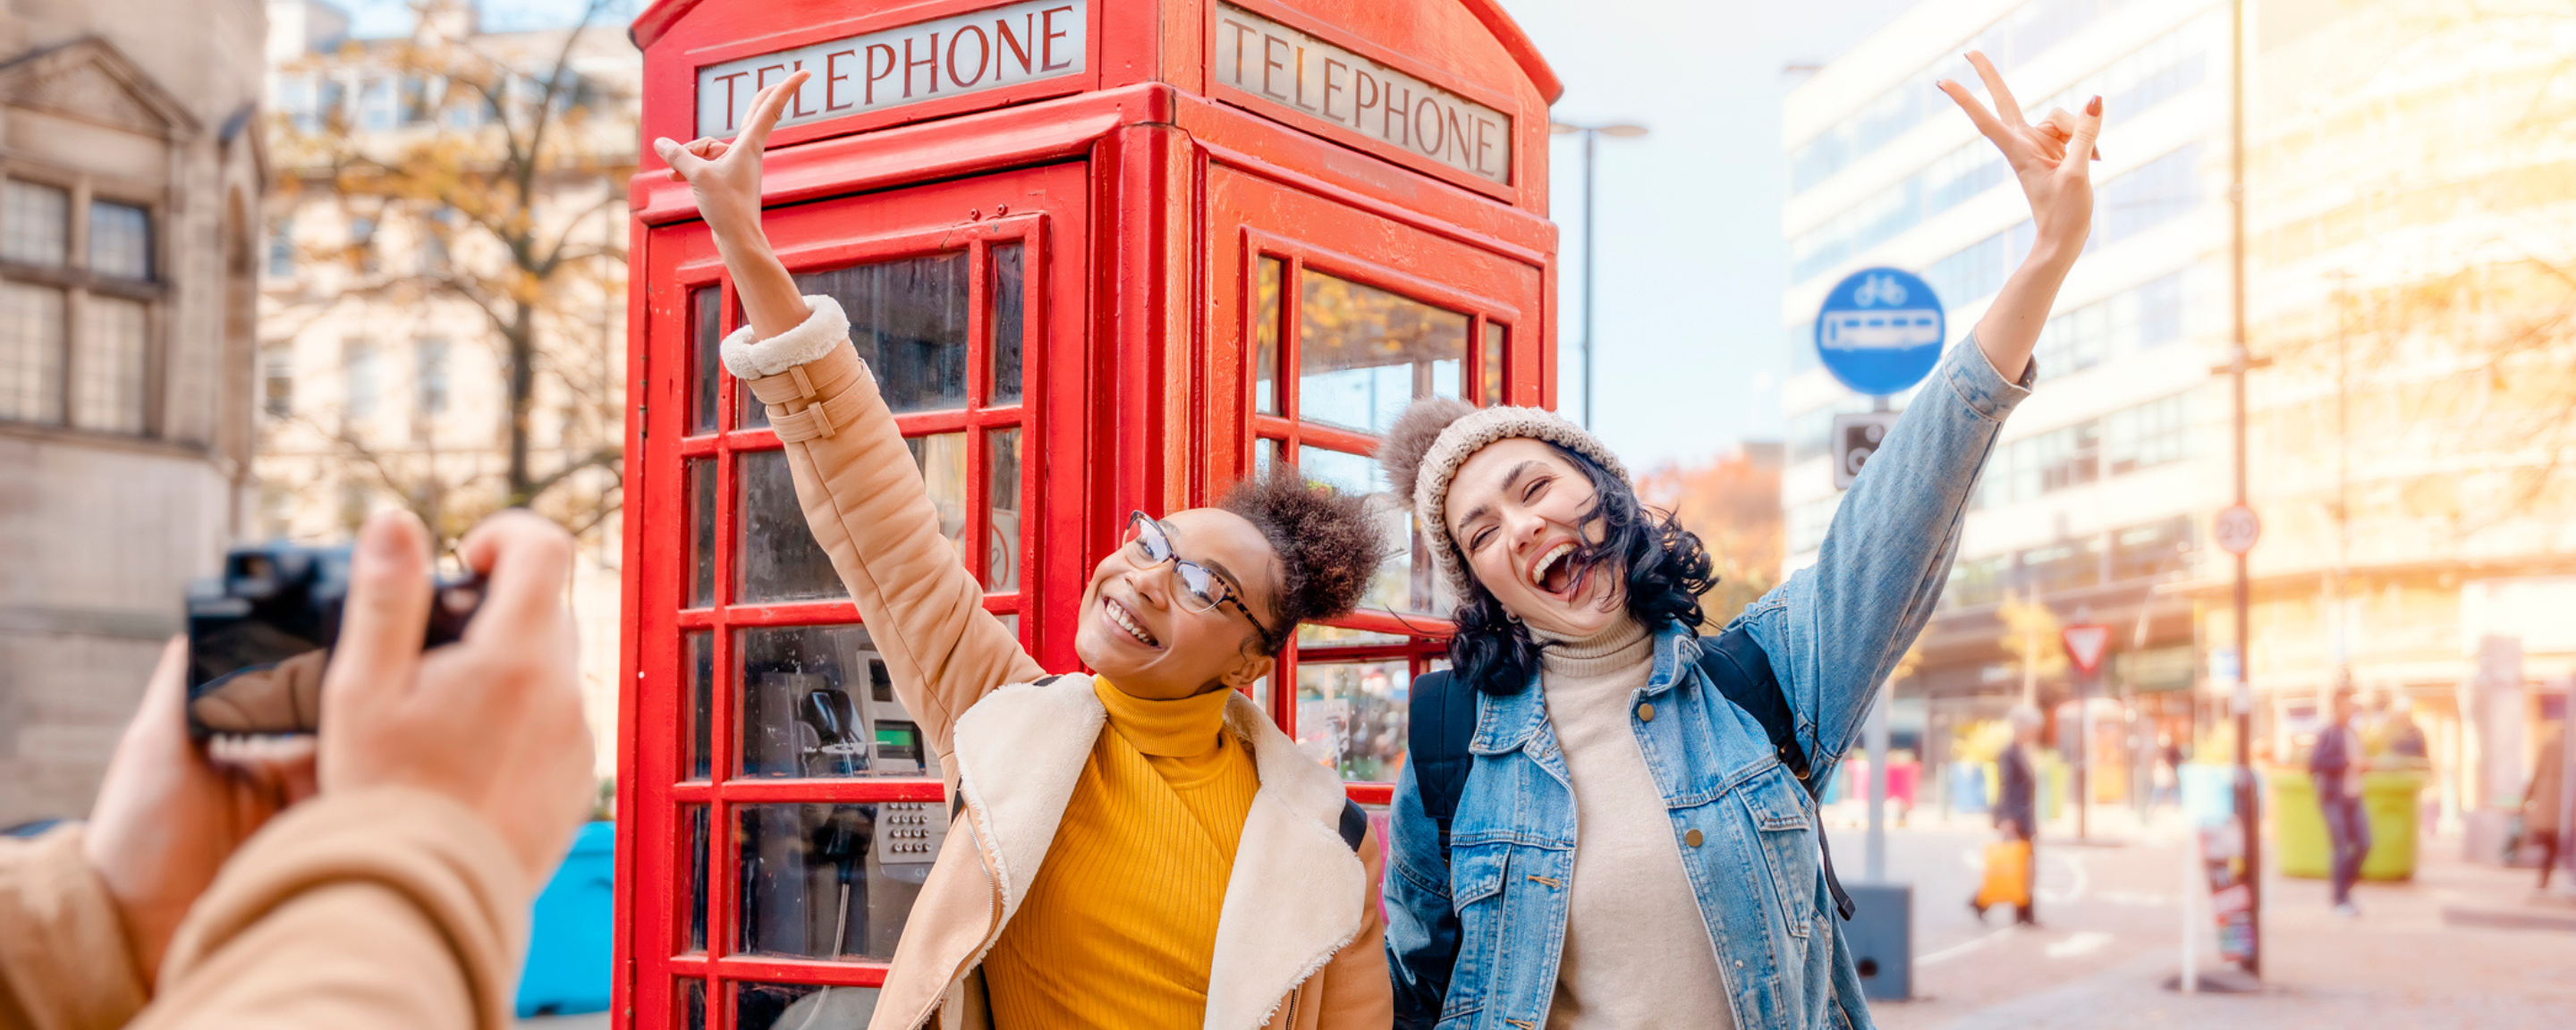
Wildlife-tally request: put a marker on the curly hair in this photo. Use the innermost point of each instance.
(1327, 547)
(1664, 569)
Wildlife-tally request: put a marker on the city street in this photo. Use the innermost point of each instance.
(2461, 945)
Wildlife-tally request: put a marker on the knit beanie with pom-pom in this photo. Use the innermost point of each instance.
(1432, 438)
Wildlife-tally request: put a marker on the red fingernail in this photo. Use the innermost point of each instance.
(2094, 107)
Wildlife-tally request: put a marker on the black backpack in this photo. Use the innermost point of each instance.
(1444, 721)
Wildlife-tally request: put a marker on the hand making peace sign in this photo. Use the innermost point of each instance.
(724, 177)
(2048, 158)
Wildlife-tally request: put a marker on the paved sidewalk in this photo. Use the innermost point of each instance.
(2459, 946)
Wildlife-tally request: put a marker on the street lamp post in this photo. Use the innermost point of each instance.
(1590, 132)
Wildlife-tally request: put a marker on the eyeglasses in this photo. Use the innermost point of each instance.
(1202, 589)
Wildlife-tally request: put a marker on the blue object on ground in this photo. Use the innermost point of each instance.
(568, 940)
(1881, 937)
(2208, 793)
(1968, 788)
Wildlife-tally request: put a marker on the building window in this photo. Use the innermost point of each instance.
(2143, 437)
(35, 224)
(281, 249)
(277, 381)
(429, 378)
(358, 362)
(109, 373)
(120, 241)
(2155, 549)
(31, 353)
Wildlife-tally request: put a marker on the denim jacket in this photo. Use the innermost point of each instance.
(1474, 943)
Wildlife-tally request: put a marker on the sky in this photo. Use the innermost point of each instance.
(1691, 351)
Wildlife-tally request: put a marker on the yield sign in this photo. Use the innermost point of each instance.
(2085, 642)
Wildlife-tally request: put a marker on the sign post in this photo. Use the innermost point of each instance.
(2236, 881)
(2086, 643)
(1879, 332)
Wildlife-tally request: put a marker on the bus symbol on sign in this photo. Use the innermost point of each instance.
(1880, 330)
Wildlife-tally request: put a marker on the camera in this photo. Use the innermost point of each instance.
(260, 634)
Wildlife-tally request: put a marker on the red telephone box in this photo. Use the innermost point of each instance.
(1102, 255)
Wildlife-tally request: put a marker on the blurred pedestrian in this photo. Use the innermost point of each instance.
(444, 787)
(2335, 766)
(2404, 735)
(2541, 801)
(2017, 808)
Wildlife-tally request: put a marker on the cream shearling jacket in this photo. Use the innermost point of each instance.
(1300, 938)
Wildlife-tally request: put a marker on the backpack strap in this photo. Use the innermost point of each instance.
(1354, 824)
(1739, 669)
(1443, 722)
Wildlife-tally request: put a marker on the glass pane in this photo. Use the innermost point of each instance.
(698, 657)
(1316, 634)
(1265, 453)
(107, 390)
(693, 835)
(693, 1004)
(1002, 535)
(942, 459)
(1492, 392)
(1349, 473)
(816, 701)
(1364, 353)
(775, 556)
(1010, 310)
(35, 224)
(802, 1007)
(701, 476)
(833, 880)
(1010, 620)
(1352, 716)
(120, 240)
(908, 319)
(1407, 581)
(31, 353)
(706, 339)
(1265, 336)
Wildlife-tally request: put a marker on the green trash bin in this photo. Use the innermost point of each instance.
(2299, 829)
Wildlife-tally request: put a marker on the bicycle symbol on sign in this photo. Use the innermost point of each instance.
(1879, 290)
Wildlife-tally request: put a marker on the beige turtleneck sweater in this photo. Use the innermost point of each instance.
(1637, 952)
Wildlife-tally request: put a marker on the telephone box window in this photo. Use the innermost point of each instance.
(818, 702)
(1265, 335)
(693, 1004)
(908, 320)
(1352, 715)
(1002, 510)
(699, 659)
(1010, 317)
(833, 881)
(701, 474)
(693, 820)
(775, 556)
(759, 1006)
(706, 338)
(1366, 353)
(1492, 391)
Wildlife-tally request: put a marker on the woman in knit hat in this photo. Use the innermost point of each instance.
(1690, 892)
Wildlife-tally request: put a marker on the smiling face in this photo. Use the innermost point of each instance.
(1137, 629)
(1521, 512)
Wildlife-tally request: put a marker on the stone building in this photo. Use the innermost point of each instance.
(131, 181)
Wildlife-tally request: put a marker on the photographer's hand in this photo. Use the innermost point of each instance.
(167, 817)
(493, 721)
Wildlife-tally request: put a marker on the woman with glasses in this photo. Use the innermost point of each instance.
(1140, 847)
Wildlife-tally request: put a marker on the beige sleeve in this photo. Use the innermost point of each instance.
(65, 963)
(384, 908)
(1357, 993)
(866, 504)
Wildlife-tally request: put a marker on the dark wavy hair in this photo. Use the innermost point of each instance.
(1664, 568)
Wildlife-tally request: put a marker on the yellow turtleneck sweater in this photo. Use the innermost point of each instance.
(1120, 926)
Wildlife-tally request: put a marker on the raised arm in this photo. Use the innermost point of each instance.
(863, 498)
(1835, 630)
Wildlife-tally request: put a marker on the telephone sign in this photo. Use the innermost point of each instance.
(1880, 331)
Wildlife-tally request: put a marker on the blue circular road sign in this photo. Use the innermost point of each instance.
(1881, 330)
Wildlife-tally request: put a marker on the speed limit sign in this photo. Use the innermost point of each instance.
(2236, 528)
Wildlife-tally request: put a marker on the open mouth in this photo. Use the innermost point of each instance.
(1556, 573)
(1125, 620)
